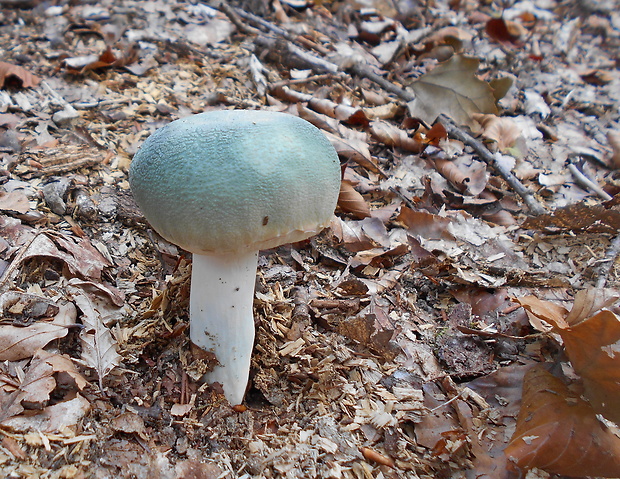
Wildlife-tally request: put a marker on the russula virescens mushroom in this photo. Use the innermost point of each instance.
(223, 185)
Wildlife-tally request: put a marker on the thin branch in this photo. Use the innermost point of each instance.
(586, 183)
(485, 155)
(610, 259)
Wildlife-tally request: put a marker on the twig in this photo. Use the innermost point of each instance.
(365, 72)
(234, 18)
(610, 259)
(586, 183)
(277, 30)
(300, 57)
(485, 155)
(406, 200)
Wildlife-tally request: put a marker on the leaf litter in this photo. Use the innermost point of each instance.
(388, 345)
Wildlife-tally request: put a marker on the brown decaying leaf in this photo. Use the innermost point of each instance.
(78, 254)
(613, 137)
(56, 418)
(559, 432)
(342, 112)
(453, 89)
(500, 31)
(425, 225)
(592, 345)
(350, 201)
(390, 135)
(15, 201)
(98, 344)
(467, 177)
(107, 59)
(502, 130)
(38, 382)
(22, 342)
(9, 72)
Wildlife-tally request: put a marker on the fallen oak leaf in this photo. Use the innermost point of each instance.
(452, 89)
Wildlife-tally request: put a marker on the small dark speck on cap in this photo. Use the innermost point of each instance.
(265, 220)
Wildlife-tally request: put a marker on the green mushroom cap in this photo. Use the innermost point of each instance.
(236, 180)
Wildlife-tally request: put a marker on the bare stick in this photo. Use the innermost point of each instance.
(610, 259)
(485, 155)
(586, 183)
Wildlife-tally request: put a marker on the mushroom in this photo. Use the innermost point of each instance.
(224, 185)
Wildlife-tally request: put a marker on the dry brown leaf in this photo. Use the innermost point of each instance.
(350, 201)
(425, 225)
(453, 89)
(15, 201)
(98, 344)
(502, 130)
(342, 112)
(20, 342)
(467, 175)
(13, 73)
(78, 254)
(593, 347)
(559, 432)
(613, 137)
(57, 418)
(590, 301)
(551, 313)
(390, 135)
(355, 150)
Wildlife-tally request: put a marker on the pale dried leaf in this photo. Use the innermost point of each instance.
(22, 342)
(56, 418)
(78, 254)
(504, 131)
(453, 89)
(98, 344)
(589, 302)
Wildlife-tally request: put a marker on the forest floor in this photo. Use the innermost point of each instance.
(456, 320)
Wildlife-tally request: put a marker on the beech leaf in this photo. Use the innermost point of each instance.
(559, 432)
(350, 201)
(98, 344)
(453, 89)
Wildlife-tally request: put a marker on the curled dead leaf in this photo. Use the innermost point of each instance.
(15, 74)
(613, 137)
(390, 135)
(502, 130)
(350, 201)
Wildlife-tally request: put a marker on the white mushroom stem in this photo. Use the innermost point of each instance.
(221, 316)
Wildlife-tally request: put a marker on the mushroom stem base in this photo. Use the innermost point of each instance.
(222, 319)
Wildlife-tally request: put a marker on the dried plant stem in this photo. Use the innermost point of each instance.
(610, 259)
